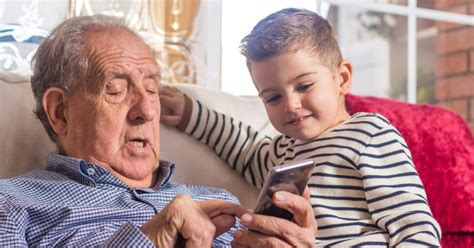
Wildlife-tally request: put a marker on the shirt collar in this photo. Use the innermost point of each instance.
(92, 174)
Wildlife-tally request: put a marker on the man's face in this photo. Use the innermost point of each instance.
(302, 96)
(114, 121)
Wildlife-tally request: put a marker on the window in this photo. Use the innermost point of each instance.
(394, 44)
(238, 19)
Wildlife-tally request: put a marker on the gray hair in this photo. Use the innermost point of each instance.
(61, 60)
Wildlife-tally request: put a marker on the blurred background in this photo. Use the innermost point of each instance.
(419, 51)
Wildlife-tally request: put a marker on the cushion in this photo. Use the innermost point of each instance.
(442, 147)
(25, 144)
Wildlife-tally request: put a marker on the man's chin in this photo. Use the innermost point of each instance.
(139, 170)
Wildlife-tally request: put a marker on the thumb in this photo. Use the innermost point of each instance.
(306, 194)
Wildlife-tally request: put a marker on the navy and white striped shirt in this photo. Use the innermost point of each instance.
(75, 203)
(364, 188)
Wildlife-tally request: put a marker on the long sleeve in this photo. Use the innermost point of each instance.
(242, 147)
(15, 231)
(396, 198)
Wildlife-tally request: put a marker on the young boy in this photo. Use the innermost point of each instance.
(364, 188)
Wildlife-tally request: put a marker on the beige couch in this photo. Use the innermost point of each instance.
(25, 144)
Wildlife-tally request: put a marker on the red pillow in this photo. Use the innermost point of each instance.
(442, 148)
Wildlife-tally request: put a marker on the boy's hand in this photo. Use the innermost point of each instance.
(172, 106)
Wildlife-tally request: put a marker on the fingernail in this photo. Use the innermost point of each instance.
(246, 218)
(280, 197)
(237, 234)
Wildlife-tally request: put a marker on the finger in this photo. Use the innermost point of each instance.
(306, 194)
(222, 213)
(169, 91)
(171, 120)
(165, 91)
(167, 99)
(235, 244)
(223, 223)
(301, 209)
(214, 208)
(285, 230)
(268, 225)
(196, 227)
(248, 238)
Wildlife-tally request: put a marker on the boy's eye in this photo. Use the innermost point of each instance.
(304, 87)
(273, 99)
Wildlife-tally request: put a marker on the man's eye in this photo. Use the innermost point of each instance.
(152, 92)
(304, 87)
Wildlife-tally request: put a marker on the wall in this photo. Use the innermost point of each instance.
(455, 62)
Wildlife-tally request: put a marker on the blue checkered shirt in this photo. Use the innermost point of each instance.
(76, 203)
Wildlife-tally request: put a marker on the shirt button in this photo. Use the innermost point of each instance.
(90, 171)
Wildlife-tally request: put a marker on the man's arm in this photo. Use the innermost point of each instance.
(396, 198)
(198, 223)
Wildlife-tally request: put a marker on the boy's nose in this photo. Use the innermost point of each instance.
(292, 103)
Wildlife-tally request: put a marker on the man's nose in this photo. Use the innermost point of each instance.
(292, 103)
(144, 109)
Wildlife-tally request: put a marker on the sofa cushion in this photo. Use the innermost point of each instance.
(442, 147)
(25, 145)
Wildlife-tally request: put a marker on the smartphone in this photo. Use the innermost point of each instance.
(291, 177)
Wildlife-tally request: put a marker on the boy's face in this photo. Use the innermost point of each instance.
(302, 97)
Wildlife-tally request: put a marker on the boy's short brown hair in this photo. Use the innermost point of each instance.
(289, 30)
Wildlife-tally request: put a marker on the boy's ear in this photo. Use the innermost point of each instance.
(345, 76)
(54, 104)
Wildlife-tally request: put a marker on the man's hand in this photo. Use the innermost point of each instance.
(198, 223)
(268, 231)
(172, 105)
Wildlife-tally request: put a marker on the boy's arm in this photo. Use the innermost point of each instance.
(242, 147)
(396, 197)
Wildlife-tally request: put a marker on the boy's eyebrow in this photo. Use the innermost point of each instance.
(305, 74)
(263, 91)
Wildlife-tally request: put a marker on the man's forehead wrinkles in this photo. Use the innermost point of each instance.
(114, 62)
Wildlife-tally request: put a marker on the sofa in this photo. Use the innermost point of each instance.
(441, 143)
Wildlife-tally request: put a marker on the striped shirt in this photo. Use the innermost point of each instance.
(78, 204)
(364, 188)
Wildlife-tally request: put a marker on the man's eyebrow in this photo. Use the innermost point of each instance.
(156, 74)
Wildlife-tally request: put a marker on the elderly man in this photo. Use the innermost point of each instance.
(96, 89)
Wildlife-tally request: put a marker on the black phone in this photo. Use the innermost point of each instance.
(291, 177)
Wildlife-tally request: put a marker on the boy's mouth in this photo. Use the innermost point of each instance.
(297, 120)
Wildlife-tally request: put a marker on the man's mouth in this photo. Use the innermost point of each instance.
(139, 146)
(138, 143)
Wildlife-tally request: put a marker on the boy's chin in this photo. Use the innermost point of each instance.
(304, 136)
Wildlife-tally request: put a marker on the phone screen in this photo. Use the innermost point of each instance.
(291, 177)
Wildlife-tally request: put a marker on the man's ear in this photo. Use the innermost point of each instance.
(54, 103)
(345, 76)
